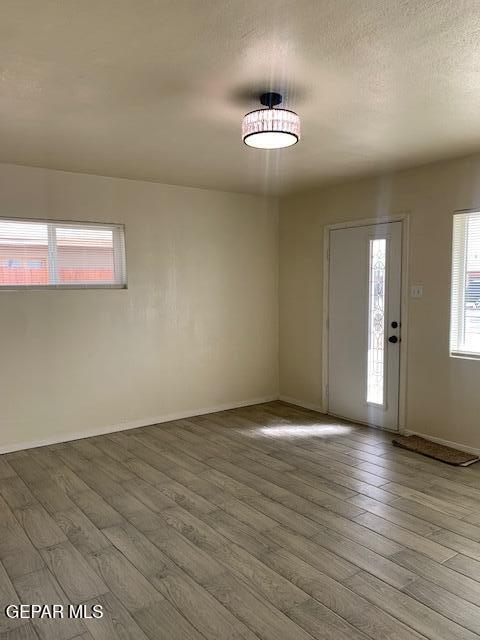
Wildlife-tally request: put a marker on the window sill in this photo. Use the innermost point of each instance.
(465, 356)
(48, 287)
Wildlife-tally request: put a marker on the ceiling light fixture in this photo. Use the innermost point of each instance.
(271, 128)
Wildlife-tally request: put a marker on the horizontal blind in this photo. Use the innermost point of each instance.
(51, 254)
(465, 295)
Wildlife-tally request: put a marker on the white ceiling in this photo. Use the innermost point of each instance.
(156, 89)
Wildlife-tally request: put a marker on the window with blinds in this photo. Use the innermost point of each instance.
(70, 255)
(465, 300)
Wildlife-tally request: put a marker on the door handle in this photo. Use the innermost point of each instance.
(393, 339)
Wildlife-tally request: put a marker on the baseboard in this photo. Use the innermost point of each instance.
(135, 424)
(301, 403)
(447, 443)
(180, 415)
(407, 432)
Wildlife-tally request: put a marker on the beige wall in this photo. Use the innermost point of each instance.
(443, 394)
(197, 327)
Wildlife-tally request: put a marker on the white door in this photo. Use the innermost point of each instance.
(365, 265)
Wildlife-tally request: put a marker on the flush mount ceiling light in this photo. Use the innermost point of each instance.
(271, 128)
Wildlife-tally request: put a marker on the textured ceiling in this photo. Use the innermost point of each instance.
(156, 89)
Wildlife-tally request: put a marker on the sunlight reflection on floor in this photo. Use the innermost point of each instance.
(304, 430)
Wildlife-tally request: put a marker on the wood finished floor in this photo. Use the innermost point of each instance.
(264, 522)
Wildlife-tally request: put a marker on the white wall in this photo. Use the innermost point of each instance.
(196, 328)
(443, 394)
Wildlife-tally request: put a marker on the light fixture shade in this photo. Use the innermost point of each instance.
(271, 128)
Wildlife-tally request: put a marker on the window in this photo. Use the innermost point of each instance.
(465, 297)
(13, 264)
(69, 255)
(34, 264)
(376, 320)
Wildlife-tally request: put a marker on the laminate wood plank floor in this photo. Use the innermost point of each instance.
(266, 522)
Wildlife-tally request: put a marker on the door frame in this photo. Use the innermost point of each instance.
(404, 218)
